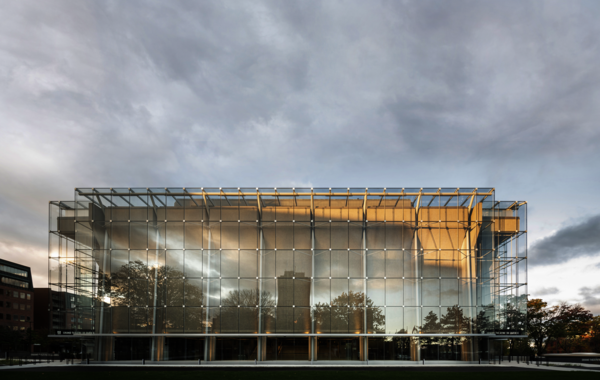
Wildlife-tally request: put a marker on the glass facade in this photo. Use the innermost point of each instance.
(290, 273)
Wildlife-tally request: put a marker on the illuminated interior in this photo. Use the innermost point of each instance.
(290, 273)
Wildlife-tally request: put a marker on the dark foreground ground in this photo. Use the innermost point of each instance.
(138, 373)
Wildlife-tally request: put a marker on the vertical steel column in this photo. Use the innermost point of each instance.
(312, 340)
(261, 342)
(364, 275)
(415, 346)
(155, 341)
(208, 347)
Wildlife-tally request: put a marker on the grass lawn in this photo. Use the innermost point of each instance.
(293, 375)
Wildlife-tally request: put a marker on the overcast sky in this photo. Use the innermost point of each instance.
(309, 93)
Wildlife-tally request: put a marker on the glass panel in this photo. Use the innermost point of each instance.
(174, 235)
(375, 292)
(268, 263)
(375, 263)
(394, 320)
(449, 293)
(431, 292)
(411, 293)
(139, 235)
(394, 291)
(284, 235)
(248, 320)
(302, 236)
(376, 320)
(193, 292)
(194, 319)
(249, 263)
(193, 235)
(355, 263)
(230, 235)
(394, 266)
(339, 263)
(229, 320)
(229, 293)
(229, 263)
(211, 266)
(193, 263)
(339, 292)
(284, 263)
(322, 264)
(303, 263)
(248, 235)
(174, 319)
(411, 260)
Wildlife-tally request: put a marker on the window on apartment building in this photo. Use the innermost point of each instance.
(16, 306)
(1, 292)
(29, 297)
(8, 317)
(1, 303)
(22, 296)
(22, 306)
(22, 318)
(28, 307)
(7, 304)
(1, 316)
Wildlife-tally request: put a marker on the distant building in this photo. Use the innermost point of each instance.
(16, 296)
(47, 310)
(288, 273)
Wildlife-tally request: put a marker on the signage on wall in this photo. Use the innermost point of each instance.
(73, 332)
(508, 332)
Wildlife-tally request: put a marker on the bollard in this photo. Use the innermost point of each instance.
(199, 361)
(479, 360)
(143, 361)
(423, 361)
(255, 361)
(87, 361)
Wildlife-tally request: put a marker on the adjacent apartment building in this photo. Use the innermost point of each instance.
(289, 273)
(16, 296)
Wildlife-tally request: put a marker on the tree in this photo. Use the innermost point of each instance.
(538, 323)
(559, 326)
(592, 336)
(567, 323)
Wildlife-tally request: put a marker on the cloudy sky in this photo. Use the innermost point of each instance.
(310, 93)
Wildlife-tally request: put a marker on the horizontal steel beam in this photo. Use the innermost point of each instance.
(341, 195)
(299, 335)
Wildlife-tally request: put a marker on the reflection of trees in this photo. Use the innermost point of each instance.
(239, 309)
(141, 286)
(249, 298)
(344, 310)
(454, 321)
(513, 313)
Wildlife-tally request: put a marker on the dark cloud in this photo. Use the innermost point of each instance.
(591, 296)
(577, 240)
(271, 93)
(545, 292)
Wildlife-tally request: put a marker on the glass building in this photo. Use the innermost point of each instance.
(289, 273)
